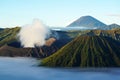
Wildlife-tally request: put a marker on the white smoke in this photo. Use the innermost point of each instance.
(33, 34)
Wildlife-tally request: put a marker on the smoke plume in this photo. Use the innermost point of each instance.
(34, 34)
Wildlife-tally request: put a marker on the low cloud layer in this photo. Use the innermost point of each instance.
(114, 15)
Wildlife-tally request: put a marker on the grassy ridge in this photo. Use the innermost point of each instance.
(115, 33)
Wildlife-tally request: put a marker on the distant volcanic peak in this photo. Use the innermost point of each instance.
(86, 51)
(114, 24)
(86, 18)
(87, 21)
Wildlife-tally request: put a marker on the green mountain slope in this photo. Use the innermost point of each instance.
(8, 35)
(115, 33)
(86, 51)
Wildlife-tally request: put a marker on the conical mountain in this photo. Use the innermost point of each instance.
(89, 22)
(86, 51)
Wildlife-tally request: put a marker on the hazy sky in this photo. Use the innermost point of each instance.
(57, 12)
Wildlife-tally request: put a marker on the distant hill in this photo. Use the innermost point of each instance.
(89, 22)
(114, 33)
(86, 51)
(113, 26)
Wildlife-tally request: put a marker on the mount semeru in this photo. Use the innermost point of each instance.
(88, 22)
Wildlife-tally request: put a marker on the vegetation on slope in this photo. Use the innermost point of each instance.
(115, 34)
(86, 51)
(8, 35)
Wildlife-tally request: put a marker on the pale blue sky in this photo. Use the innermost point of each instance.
(57, 12)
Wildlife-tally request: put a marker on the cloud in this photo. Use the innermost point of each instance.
(114, 15)
(34, 34)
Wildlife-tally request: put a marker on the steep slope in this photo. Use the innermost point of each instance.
(13, 49)
(8, 35)
(86, 51)
(21, 52)
(89, 22)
